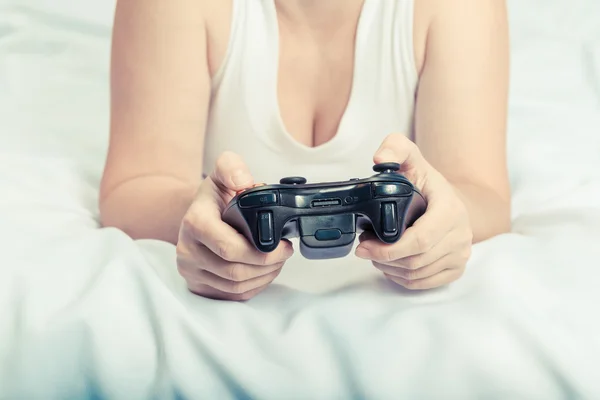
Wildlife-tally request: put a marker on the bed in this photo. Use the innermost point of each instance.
(89, 313)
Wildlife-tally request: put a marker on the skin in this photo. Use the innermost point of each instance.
(164, 56)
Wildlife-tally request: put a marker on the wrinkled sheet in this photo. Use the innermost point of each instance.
(89, 313)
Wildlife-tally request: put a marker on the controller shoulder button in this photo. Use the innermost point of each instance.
(258, 199)
(387, 189)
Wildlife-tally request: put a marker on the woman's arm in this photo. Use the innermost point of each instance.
(160, 89)
(462, 107)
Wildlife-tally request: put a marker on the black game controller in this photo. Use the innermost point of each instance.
(326, 216)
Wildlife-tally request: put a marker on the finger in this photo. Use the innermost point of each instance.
(453, 243)
(229, 244)
(202, 259)
(443, 278)
(212, 293)
(232, 173)
(421, 237)
(418, 261)
(437, 224)
(231, 287)
(454, 248)
(400, 149)
(414, 243)
(444, 263)
(367, 235)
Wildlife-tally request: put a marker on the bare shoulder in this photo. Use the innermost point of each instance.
(455, 18)
(461, 10)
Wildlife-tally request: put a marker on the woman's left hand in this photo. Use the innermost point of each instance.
(435, 250)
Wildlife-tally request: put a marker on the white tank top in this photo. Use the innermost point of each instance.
(244, 115)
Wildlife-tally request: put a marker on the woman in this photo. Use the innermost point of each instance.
(209, 95)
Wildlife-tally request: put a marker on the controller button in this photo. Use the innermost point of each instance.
(386, 167)
(258, 199)
(328, 234)
(391, 190)
(252, 187)
(354, 179)
(389, 219)
(293, 180)
(265, 228)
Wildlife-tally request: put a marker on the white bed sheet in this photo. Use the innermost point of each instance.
(89, 313)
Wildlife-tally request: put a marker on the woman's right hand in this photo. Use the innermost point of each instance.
(216, 261)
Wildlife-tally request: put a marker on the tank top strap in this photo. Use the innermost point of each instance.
(385, 49)
(252, 28)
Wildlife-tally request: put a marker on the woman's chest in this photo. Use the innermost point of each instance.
(312, 85)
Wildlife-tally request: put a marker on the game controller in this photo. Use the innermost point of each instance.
(326, 216)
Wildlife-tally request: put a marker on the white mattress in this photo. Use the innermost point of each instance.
(89, 313)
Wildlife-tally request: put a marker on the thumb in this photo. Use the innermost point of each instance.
(400, 149)
(231, 173)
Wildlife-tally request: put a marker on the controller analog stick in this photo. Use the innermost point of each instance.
(386, 167)
(293, 180)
